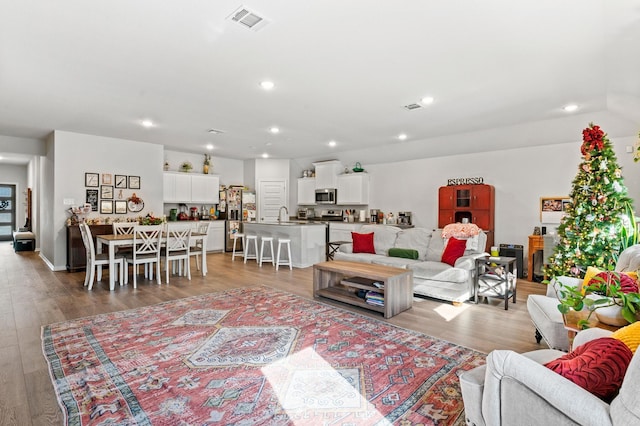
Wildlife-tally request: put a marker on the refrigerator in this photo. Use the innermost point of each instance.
(236, 205)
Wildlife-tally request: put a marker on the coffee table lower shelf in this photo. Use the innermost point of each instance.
(340, 281)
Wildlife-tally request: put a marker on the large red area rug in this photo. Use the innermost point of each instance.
(252, 356)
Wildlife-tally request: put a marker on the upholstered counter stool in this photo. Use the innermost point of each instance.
(251, 242)
(279, 260)
(264, 258)
(235, 239)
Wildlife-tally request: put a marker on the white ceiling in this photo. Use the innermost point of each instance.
(343, 71)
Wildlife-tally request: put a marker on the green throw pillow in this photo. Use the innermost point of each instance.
(404, 253)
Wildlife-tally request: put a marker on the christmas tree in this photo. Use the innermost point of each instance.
(600, 218)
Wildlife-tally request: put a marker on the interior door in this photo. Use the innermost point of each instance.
(7, 211)
(272, 194)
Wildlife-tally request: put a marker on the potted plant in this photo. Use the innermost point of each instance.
(608, 290)
(206, 164)
(186, 166)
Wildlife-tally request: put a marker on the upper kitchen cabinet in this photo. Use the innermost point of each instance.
(307, 191)
(190, 188)
(353, 188)
(327, 174)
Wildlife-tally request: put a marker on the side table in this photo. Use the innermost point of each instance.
(571, 324)
(496, 277)
(332, 248)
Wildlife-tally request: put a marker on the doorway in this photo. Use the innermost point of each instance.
(272, 195)
(7, 211)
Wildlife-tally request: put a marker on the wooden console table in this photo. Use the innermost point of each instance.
(340, 280)
(536, 242)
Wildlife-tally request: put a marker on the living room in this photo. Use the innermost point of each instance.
(501, 118)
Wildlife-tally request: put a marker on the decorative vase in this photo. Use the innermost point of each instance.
(205, 169)
(611, 315)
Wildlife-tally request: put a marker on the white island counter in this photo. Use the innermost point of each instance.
(308, 240)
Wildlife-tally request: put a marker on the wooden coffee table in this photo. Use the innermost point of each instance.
(340, 280)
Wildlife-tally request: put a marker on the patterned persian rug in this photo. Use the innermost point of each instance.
(252, 356)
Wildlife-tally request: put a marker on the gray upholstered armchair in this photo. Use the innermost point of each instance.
(516, 389)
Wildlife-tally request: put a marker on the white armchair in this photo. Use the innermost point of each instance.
(517, 389)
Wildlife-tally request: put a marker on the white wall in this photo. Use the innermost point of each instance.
(231, 171)
(70, 156)
(520, 177)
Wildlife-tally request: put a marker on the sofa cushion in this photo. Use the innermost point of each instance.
(598, 366)
(415, 238)
(384, 236)
(403, 252)
(629, 335)
(363, 243)
(356, 257)
(436, 246)
(396, 262)
(455, 249)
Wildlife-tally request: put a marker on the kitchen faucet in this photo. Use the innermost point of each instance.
(286, 211)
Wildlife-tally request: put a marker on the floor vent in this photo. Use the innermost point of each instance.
(248, 19)
(412, 106)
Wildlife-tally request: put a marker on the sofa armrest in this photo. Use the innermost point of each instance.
(548, 396)
(554, 285)
(468, 261)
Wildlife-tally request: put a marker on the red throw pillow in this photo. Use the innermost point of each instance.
(627, 284)
(598, 366)
(363, 243)
(455, 249)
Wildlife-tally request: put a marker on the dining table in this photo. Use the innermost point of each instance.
(112, 241)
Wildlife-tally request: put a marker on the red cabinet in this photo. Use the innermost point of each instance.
(473, 202)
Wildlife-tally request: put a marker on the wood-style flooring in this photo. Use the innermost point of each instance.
(31, 296)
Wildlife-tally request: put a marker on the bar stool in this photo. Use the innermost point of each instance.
(251, 239)
(279, 261)
(262, 256)
(235, 239)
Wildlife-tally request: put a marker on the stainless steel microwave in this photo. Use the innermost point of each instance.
(326, 196)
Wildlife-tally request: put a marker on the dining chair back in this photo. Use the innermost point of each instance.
(197, 246)
(176, 249)
(147, 241)
(123, 228)
(96, 261)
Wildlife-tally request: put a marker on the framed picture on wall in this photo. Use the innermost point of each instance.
(121, 181)
(552, 209)
(121, 206)
(134, 182)
(106, 178)
(92, 198)
(106, 191)
(106, 206)
(91, 179)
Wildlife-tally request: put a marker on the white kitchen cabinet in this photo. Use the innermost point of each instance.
(187, 188)
(327, 174)
(215, 239)
(353, 188)
(341, 231)
(205, 189)
(306, 191)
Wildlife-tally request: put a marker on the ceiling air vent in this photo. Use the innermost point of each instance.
(248, 19)
(412, 106)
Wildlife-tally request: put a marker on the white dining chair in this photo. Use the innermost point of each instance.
(147, 241)
(197, 245)
(176, 249)
(95, 262)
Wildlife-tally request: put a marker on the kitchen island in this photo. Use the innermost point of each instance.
(308, 239)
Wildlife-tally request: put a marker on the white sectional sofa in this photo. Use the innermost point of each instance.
(431, 277)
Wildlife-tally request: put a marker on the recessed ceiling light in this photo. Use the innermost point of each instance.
(147, 123)
(427, 100)
(274, 130)
(265, 155)
(267, 85)
(332, 143)
(209, 147)
(570, 107)
(402, 136)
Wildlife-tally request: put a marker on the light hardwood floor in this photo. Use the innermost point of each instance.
(32, 296)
